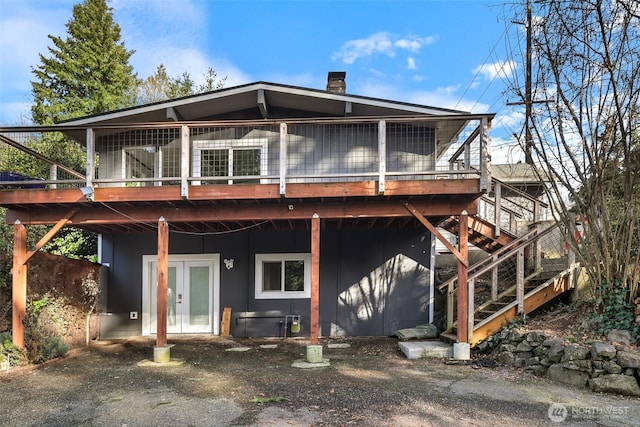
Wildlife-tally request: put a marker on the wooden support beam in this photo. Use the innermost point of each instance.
(315, 278)
(163, 282)
(19, 284)
(47, 237)
(463, 286)
(439, 235)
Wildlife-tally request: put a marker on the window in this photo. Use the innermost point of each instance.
(283, 276)
(230, 158)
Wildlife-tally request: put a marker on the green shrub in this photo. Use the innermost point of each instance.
(51, 347)
(9, 351)
(614, 311)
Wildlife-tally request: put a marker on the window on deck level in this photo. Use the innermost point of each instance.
(230, 159)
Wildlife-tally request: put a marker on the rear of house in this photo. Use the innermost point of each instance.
(240, 175)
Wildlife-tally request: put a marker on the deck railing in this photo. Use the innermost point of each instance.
(235, 153)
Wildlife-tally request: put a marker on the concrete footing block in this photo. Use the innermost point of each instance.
(462, 351)
(162, 354)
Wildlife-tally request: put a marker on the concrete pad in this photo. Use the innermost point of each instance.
(339, 345)
(303, 364)
(269, 346)
(418, 349)
(169, 364)
(238, 349)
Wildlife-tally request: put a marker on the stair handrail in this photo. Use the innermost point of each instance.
(514, 246)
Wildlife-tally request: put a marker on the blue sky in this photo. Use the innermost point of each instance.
(455, 54)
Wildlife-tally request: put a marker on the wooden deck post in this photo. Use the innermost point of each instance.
(163, 281)
(463, 286)
(19, 283)
(315, 277)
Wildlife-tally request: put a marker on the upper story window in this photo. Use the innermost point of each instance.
(283, 276)
(230, 159)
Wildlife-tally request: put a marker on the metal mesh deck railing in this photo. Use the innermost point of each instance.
(235, 153)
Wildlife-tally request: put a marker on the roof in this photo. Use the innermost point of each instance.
(261, 100)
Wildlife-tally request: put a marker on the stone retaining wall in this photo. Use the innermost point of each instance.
(601, 366)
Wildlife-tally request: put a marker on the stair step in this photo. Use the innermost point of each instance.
(448, 336)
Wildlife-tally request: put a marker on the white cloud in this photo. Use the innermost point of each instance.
(411, 63)
(379, 43)
(501, 69)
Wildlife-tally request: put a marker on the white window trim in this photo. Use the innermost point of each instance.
(228, 144)
(260, 258)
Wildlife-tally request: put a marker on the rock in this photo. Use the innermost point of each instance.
(597, 372)
(629, 371)
(597, 364)
(540, 351)
(602, 351)
(552, 342)
(506, 347)
(575, 352)
(613, 383)
(545, 362)
(627, 359)
(555, 353)
(522, 358)
(523, 346)
(536, 369)
(420, 332)
(578, 365)
(506, 358)
(612, 367)
(619, 335)
(567, 376)
(535, 338)
(533, 361)
(516, 335)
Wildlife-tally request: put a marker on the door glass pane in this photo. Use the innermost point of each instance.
(199, 296)
(271, 276)
(294, 275)
(171, 297)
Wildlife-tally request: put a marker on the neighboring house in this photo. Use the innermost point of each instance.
(241, 176)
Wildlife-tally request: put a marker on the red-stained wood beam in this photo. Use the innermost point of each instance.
(47, 237)
(163, 282)
(459, 256)
(100, 215)
(172, 193)
(315, 278)
(463, 287)
(19, 284)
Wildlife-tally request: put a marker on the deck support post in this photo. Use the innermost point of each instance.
(315, 277)
(163, 280)
(19, 283)
(463, 286)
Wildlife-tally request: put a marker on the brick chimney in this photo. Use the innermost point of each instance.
(336, 82)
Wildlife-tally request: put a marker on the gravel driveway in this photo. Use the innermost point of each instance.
(369, 383)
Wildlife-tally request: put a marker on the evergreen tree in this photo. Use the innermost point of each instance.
(88, 72)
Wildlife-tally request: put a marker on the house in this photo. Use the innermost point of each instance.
(307, 212)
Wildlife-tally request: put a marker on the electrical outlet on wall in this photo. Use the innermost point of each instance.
(133, 315)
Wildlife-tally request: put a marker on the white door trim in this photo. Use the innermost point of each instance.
(147, 261)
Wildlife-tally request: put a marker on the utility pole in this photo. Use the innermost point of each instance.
(527, 92)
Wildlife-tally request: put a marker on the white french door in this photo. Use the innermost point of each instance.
(192, 296)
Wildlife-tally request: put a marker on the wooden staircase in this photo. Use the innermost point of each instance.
(482, 233)
(520, 274)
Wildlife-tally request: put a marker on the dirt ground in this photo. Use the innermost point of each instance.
(370, 383)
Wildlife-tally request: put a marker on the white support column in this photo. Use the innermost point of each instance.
(91, 155)
(382, 155)
(485, 156)
(185, 156)
(283, 159)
